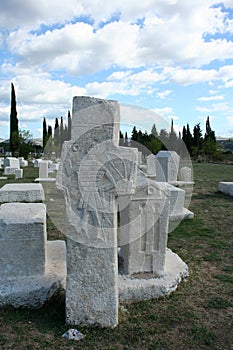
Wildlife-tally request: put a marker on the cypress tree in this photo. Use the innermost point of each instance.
(14, 130)
(45, 133)
(62, 136)
(69, 126)
(56, 134)
(50, 131)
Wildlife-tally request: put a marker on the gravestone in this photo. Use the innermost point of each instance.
(226, 187)
(11, 162)
(23, 192)
(18, 173)
(186, 174)
(167, 166)
(22, 239)
(94, 171)
(144, 228)
(32, 268)
(43, 170)
(151, 165)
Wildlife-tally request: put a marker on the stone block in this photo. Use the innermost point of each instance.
(43, 169)
(23, 192)
(226, 187)
(167, 166)
(22, 239)
(186, 174)
(18, 173)
(151, 165)
(11, 162)
(9, 170)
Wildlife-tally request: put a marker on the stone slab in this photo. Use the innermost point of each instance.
(133, 289)
(46, 179)
(25, 192)
(226, 187)
(22, 239)
(33, 292)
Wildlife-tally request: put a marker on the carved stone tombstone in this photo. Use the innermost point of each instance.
(167, 166)
(94, 171)
(144, 228)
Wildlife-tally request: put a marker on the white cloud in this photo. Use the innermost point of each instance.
(216, 107)
(164, 94)
(211, 98)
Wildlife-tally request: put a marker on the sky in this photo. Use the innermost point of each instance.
(173, 57)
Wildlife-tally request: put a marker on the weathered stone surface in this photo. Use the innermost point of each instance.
(93, 172)
(25, 192)
(9, 170)
(18, 173)
(144, 228)
(151, 165)
(43, 169)
(143, 287)
(226, 187)
(186, 174)
(22, 239)
(34, 291)
(11, 162)
(167, 166)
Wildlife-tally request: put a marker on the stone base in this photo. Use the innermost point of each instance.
(226, 187)
(146, 287)
(45, 179)
(185, 214)
(33, 292)
(22, 192)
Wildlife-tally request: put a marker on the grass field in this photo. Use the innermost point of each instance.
(199, 315)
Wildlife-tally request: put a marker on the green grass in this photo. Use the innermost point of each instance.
(197, 316)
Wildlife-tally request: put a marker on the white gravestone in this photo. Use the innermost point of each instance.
(186, 174)
(144, 228)
(43, 170)
(11, 162)
(18, 173)
(22, 239)
(151, 165)
(167, 166)
(24, 192)
(93, 171)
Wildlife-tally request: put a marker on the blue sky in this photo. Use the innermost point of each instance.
(173, 57)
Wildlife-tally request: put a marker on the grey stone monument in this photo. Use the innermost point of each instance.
(94, 171)
(167, 166)
(144, 228)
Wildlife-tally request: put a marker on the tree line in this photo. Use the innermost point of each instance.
(62, 132)
(193, 142)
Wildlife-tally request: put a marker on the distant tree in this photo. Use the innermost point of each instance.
(25, 143)
(172, 138)
(50, 131)
(164, 138)
(14, 130)
(121, 139)
(134, 136)
(189, 142)
(209, 144)
(66, 133)
(154, 131)
(56, 134)
(61, 133)
(154, 144)
(45, 133)
(126, 143)
(197, 140)
(69, 126)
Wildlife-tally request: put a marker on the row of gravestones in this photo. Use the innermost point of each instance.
(107, 256)
(13, 165)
